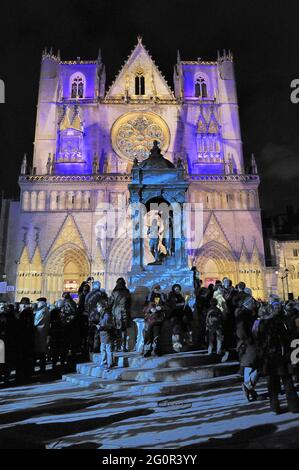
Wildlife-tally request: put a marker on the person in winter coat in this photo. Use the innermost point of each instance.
(57, 343)
(245, 316)
(229, 326)
(26, 341)
(83, 316)
(42, 325)
(8, 330)
(95, 296)
(106, 330)
(203, 303)
(292, 319)
(214, 327)
(221, 304)
(180, 315)
(11, 339)
(154, 315)
(71, 323)
(273, 342)
(120, 303)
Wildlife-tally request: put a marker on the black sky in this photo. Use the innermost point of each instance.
(263, 35)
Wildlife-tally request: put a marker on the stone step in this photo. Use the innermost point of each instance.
(158, 388)
(160, 373)
(175, 360)
(180, 373)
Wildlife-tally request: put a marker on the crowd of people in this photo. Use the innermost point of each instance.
(228, 319)
(261, 332)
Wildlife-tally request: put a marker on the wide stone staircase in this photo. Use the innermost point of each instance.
(171, 373)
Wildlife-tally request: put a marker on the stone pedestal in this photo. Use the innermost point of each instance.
(163, 275)
(140, 339)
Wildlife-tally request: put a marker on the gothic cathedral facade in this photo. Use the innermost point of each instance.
(86, 140)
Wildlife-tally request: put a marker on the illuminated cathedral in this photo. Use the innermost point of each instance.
(87, 138)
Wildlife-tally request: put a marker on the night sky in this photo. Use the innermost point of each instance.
(263, 35)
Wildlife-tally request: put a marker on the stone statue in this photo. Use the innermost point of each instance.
(154, 238)
(253, 165)
(229, 165)
(49, 165)
(24, 165)
(95, 164)
(106, 166)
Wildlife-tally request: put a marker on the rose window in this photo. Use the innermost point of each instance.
(133, 135)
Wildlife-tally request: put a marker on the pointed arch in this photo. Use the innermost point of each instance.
(221, 257)
(77, 85)
(201, 85)
(66, 262)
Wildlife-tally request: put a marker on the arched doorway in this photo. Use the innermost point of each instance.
(65, 269)
(210, 272)
(215, 261)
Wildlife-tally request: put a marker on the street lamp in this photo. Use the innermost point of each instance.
(284, 276)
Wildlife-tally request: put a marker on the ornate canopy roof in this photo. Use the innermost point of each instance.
(156, 160)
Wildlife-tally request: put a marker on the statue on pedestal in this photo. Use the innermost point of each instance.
(154, 239)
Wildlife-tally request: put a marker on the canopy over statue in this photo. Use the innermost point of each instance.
(157, 195)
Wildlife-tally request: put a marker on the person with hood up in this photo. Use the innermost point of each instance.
(154, 315)
(120, 303)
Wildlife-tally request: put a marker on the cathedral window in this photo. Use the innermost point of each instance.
(139, 83)
(201, 88)
(77, 86)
